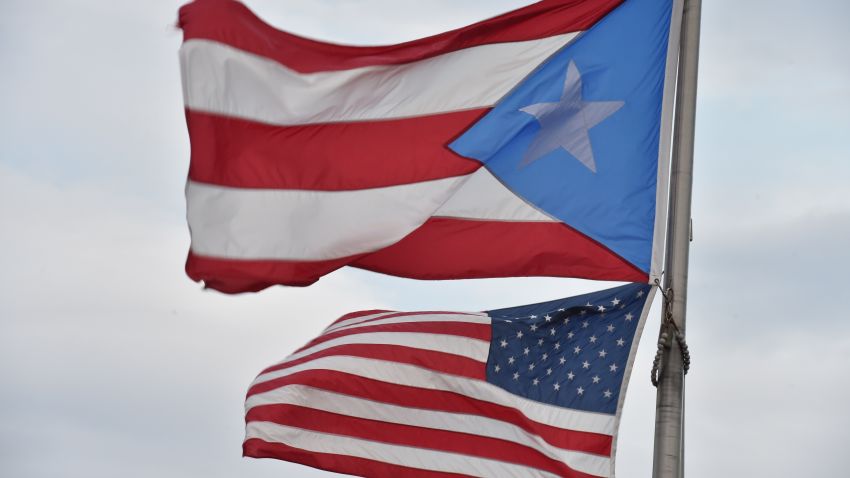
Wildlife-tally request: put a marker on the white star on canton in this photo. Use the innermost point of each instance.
(585, 324)
(516, 375)
(570, 335)
(580, 391)
(535, 382)
(503, 343)
(616, 301)
(640, 294)
(583, 312)
(607, 393)
(548, 371)
(567, 321)
(629, 317)
(552, 332)
(533, 317)
(557, 345)
(588, 304)
(557, 387)
(601, 308)
(562, 360)
(577, 349)
(561, 310)
(531, 366)
(548, 318)
(603, 353)
(593, 339)
(498, 368)
(613, 367)
(611, 327)
(511, 360)
(585, 364)
(544, 357)
(596, 379)
(539, 342)
(519, 334)
(533, 328)
(571, 375)
(621, 342)
(526, 351)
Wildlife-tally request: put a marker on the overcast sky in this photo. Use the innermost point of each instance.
(113, 363)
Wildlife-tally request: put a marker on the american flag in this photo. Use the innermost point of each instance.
(526, 391)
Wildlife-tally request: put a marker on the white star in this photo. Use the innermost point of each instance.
(552, 332)
(585, 364)
(571, 375)
(596, 379)
(580, 391)
(583, 312)
(585, 324)
(511, 360)
(593, 339)
(497, 368)
(533, 317)
(607, 393)
(611, 327)
(548, 371)
(616, 301)
(613, 367)
(544, 357)
(535, 382)
(603, 353)
(577, 349)
(566, 321)
(526, 351)
(557, 387)
(588, 304)
(503, 343)
(601, 308)
(519, 334)
(561, 310)
(557, 345)
(516, 375)
(570, 335)
(640, 293)
(539, 341)
(629, 317)
(533, 327)
(531, 366)
(621, 342)
(548, 318)
(562, 360)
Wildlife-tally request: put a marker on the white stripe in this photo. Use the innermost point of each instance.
(421, 458)
(319, 399)
(356, 320)
(404, 374)
(406, 319)
(307, 225)
(452, 344)
(483, 197)
(221, 79)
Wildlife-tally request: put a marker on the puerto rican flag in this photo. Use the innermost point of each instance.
(535, 143)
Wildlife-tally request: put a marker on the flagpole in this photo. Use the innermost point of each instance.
(670, 402)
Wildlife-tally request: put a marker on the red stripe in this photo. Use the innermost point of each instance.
(350, 465)
(237, 275)
(327, 157)
(449, 248)
(415, 397)
(437, 361)
(407, 435)
(234, 24)
(406, 314)
(442, 248)
(359, 313)
(460, 329)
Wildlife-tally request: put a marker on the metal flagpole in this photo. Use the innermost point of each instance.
(670, 402)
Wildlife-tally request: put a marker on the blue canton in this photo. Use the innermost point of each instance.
(570, 352)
